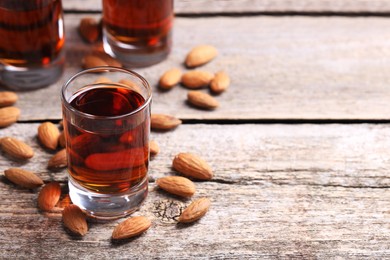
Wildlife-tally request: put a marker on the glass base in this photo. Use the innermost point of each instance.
(107, 206)
(131, 56)
(20, 78)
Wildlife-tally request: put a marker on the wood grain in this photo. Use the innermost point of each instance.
(289, 68)
(250, 6)
(290, 191)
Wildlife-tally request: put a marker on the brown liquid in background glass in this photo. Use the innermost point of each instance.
(29, 32)
(109, 162)
(141, 23)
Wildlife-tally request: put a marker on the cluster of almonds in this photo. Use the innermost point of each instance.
(90, 30)
(197, 79)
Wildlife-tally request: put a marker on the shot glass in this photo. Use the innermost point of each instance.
(106, 115)
(138, 32)
(31, 45)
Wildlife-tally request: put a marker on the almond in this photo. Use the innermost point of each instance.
(110, 61)
(154, 148)
(196, 79)
(195, 210)
(91, 61)
(75, 220)
(130, 84)
(170, 79)
(23, 178)
(49, 196)
(131, 227)
(9, 116)
(89, 29)
(61, 139)
(220, 82)
(202, 100)
(59, 160)
(200, 55)
(192, 166)
(48, 134)
(16, 148)
(177, 185)
(164, 122)
(7, 98)
(64, 202)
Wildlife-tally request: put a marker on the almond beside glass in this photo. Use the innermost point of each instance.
(7, 98)
(170, 78)
(48, 134)
(177, 185)
(196, 79)
(220, 82)
(58, 161)
(196, 210)
(164, 122)
(202, 100)
(23, 178)
(200, 55)
(89, 29)
(154, 148)
(49, 196)
(9, 116)
(192, 166)
(131, 227)
(16, 148)
(75, 220)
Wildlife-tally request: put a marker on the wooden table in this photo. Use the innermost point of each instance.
(299, 147)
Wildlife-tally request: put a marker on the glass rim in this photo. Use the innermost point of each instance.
(107, 68)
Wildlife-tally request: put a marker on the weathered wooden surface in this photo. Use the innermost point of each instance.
(250, 6)
(281, 68)
(290, 191)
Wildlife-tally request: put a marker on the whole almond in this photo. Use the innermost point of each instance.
(154, 148)
(7, 98)
(110, 61)
(89, 29)
(220, 82)
(75, 220)
(48, 134)
(202, 100)
(170, 78)
(9, 116)
(192, 166)
(131, 227)
(61, 139)
(164, 122)
(59, 160)
(49, 196)
(177, 185)
(196, 79)
(91, 61)
(200, 55)
(16, 148)
(195, 210)
(23, 178)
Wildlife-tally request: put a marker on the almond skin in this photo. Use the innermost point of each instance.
(200, 55)
(7, 98)
(48, 134)
(220, 82)
(192, 166)
(75, 220)
(90, 61)
(16, 148)
(89, 29)
(61, 139)
(202, 100)
(153, 148)
(23, 178)
(131, 227)
(110, 61)
(164, 122)
(9, 116)
(196, 79)
(170, 79)
(49, 196)
(195, 210)
(58, 161)
(177, 185)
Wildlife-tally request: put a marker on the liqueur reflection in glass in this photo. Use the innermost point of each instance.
(31, 43)
(138, 32)
(107, 127)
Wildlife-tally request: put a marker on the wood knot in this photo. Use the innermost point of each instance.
(168, 211)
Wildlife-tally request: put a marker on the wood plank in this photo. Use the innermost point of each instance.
(250, 6)
(290, 191)
(289, 68)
